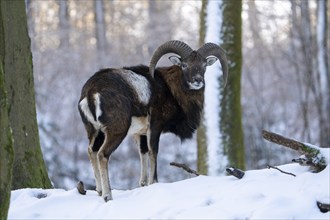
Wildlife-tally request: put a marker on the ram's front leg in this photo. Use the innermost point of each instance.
(141, 142)
(153, 152)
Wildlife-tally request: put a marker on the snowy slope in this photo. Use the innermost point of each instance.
(261, 194)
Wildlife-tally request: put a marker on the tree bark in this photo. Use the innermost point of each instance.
(6, 140)
(29, 168)
(6, 147)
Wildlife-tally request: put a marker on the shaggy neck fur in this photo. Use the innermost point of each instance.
(190, 101)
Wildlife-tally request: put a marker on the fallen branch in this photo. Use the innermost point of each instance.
(314, 158)
(185, 167)
(276, 168)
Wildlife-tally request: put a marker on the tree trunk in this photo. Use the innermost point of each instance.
(6, 145)
(29, 168)
(202, 23)
(6, 141)
(231, 113)
(202, 166)
(323, 72)
(63, 14)
(100, 25)
(299, 39)
(100, 33)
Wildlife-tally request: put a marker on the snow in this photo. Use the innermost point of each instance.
(260, 194)
(212, 94)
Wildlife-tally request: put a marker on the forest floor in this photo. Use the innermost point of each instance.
(260, 194)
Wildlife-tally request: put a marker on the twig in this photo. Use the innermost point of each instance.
(185, 167)
(269, 166)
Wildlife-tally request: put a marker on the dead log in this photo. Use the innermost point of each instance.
(312, 156)
(184, 167)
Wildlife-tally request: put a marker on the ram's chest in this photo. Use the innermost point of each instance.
(139, 125)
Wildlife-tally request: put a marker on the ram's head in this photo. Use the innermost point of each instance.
(193, 63)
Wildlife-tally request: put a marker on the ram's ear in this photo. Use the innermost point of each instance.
(210, 60)
(175, 60)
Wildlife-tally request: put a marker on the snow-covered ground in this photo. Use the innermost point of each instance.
(260, 194)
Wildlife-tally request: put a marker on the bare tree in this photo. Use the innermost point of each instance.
(311, 68)
(159, 24)
(323, 73)
(64, 24)
(100, 32)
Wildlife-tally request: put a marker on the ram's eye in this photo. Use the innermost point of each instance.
(184, 65)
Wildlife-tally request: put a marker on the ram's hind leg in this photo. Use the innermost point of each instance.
(96, 140)
(110, 144)
(141, 141)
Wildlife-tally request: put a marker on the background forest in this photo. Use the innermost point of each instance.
(282, 87)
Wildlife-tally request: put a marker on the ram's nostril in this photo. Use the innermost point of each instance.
(198, 79)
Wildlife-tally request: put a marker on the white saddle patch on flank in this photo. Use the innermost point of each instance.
(139, 83)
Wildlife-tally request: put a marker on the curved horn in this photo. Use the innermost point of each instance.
(173, 46)
(211, 49)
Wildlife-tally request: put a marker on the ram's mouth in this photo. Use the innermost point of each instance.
(195, 85)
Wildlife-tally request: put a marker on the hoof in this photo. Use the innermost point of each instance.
(99, 192)
(107, 197)
(143, 183)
